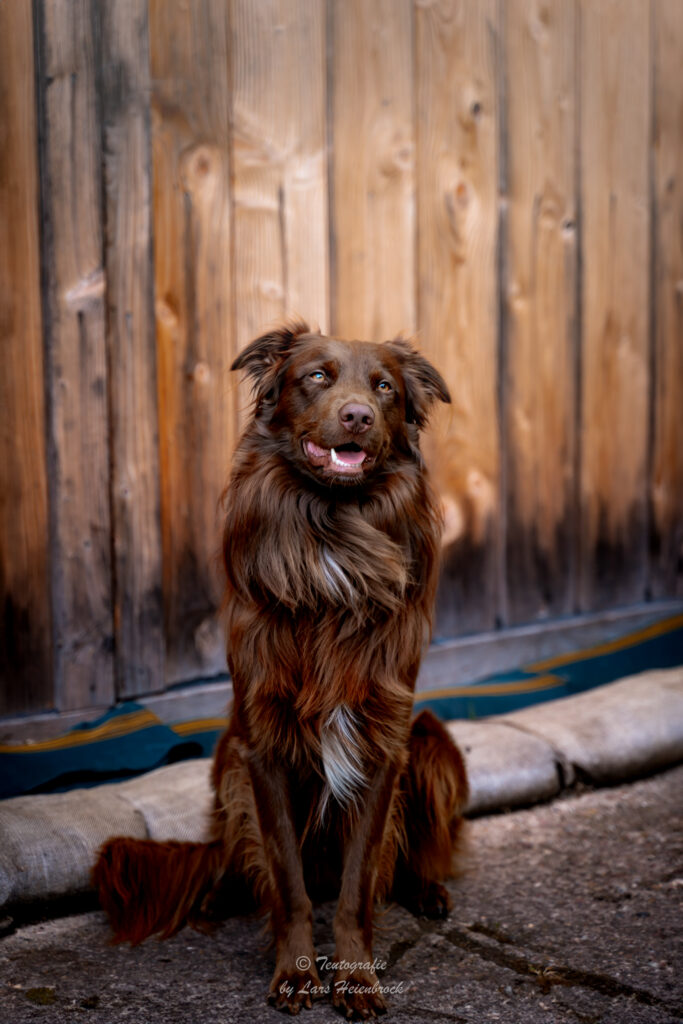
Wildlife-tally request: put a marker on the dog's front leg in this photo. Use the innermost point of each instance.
(356, 989)
(295, 979)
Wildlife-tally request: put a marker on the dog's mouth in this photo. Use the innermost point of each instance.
(346, 459)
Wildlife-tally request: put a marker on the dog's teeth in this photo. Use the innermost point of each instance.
(355, 459)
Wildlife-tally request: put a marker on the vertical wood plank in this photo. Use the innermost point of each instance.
(138, 614)
(615, 124)
(74, 308)
(189, 56)
(25, 663)
(458, 176)
(279, 167)
(372, 168)
(666, 485)
(540, 277)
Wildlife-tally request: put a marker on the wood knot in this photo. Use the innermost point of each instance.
(462, 194)
(271, 290)
(197, 165)
(202, 164)
(201, 373)
(89, 290)
(166, 311)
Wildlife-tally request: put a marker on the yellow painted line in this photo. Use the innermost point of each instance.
(548, 682)
(119, 726)
(622, 644)
(199, 725)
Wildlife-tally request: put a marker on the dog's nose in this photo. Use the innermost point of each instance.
(356, 418)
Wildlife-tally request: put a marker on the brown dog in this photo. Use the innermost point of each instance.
(322, 785)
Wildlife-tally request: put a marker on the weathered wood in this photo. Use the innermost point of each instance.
(25, 658)
(76, 365)
(615, 364)
(465, 659)
(279, 166)
(458, 176)
(540, 307)
(480, 152)
(666, 484)
(453, 663)
(372, 134)
(138, 614)
(189, 55)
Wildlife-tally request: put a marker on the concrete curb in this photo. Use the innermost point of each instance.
(609, 734)
(49, 841)
(613, 733)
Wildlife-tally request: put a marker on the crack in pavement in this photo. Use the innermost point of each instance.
(548, 974)
(429, 1013)
(398, 950)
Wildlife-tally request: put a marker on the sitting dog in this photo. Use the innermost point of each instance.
(323, 787)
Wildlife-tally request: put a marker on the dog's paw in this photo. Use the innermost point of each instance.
(433, 902)
(425, 899)
(294, 986)
(358, 994)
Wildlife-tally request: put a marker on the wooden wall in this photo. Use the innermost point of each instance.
(503, 178)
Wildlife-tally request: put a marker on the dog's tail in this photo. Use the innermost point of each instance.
(147, 887)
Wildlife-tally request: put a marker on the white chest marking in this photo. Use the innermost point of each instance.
(337, 580)
(341, 753)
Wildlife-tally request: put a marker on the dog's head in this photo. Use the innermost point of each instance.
(339, 409)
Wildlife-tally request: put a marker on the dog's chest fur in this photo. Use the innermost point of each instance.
(342, 754)
(341, 586)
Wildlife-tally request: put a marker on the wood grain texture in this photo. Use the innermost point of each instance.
(457, 158)
(189, 56)
(666, 485)
(372, 168)
(540, 307)
(138, 617)
(501, 177)
(25, 658)
(615, 358)
(279, 164)
(76, 365)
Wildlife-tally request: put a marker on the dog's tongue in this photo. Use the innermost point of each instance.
(342, 457)
(349, 458)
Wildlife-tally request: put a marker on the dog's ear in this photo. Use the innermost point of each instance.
(424, 384)
(263, 357)
(265, 352)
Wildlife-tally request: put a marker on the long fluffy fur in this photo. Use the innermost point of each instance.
(328, 603)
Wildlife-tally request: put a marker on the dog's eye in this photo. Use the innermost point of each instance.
(317, 375)
(384, 385)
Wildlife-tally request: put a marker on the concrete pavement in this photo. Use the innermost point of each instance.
(567, 912)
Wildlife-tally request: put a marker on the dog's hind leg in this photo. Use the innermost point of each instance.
(434, 793)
